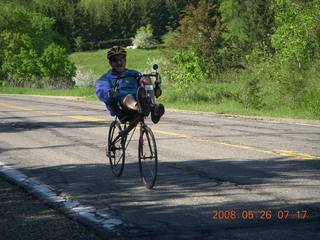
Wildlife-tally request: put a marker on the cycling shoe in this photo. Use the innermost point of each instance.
(157, 112)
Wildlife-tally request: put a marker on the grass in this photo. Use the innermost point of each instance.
(217, 98)
(232, 107)
(225, 107)
(97, 60)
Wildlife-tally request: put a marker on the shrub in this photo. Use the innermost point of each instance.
(20, 60)
(27, 55)
(84, 78)
(79, 44)
(188, 68)
(144, 37)
(55, 65)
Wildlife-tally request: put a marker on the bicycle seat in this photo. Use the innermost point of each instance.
(127, 116)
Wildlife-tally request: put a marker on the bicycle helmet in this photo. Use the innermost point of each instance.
(116, 50)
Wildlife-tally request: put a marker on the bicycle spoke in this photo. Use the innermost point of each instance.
(116, 149)
(148, 158)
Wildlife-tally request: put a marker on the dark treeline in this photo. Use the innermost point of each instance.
(93, 24)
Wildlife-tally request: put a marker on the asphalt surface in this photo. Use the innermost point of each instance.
(25, 217)
(209, 163)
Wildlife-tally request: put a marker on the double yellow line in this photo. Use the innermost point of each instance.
(92, 119)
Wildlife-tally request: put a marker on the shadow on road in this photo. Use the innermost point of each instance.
(187, 193)
(19, 126)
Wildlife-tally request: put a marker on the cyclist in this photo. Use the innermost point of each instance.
(134, 93)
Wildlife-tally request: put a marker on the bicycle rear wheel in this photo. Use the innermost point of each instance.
(116, 149)
(148, 157)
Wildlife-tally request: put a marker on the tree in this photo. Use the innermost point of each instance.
(174, 10)
(249, 25)
(25, 37)
(201, 30)
(63, 12)
(297, 38)
(56, 67)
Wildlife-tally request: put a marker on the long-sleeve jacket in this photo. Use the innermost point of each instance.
(128, 84)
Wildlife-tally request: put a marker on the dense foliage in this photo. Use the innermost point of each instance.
(28, 55)
(269, 50)
(36, 34)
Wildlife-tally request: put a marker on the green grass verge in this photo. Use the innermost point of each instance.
(224, 107)
(232, 107)
(219, 97)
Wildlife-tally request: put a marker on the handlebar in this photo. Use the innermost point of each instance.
(139, 76)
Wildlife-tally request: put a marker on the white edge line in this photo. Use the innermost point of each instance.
(101, 218)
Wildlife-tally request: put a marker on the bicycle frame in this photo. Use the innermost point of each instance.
(128, 129)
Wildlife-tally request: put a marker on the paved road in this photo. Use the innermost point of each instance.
(212, 168)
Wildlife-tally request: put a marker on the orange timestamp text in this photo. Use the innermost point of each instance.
(280, 214)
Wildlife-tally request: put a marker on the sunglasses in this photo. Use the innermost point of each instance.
(117, 59)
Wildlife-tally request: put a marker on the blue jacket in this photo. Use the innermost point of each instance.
(128, 84)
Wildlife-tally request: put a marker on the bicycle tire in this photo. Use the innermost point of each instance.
(148, 157)
(116, 149)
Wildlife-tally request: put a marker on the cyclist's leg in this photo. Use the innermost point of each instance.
(157, 110)
(137, 103)
(129, 102)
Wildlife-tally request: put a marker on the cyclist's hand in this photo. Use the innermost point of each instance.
(145, 80)
(157, 92)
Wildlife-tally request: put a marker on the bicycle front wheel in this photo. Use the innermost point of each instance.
(116, 149)
(148, 157)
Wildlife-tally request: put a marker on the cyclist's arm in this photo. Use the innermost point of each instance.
(103, 88)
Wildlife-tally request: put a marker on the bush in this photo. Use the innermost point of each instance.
(20, 59)
(84, 78)
(144, 38)
(78, 44)
(27, 55)
(56, 67)
(188, 68)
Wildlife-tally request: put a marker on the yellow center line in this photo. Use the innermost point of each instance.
(216, 142)
(93, 119)
(54, 114)
(86, 118)
(296, 154)
(16, 107)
